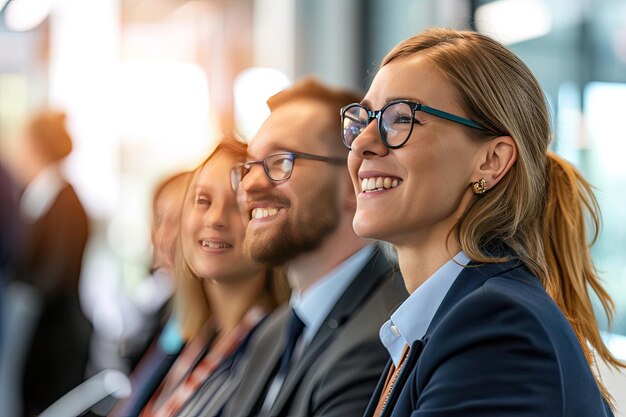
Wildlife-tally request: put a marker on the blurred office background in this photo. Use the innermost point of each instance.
(148, 84)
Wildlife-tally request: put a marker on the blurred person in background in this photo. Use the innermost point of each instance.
(490, 231)
(147, 308)
(56, 233)
(9, 232)
(153, 341)
(222, 296)
(321, 354)
(14, 308)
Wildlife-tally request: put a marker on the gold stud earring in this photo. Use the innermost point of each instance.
(480, 186)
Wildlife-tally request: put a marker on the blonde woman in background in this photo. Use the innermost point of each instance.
(450, 162)
(222, 296)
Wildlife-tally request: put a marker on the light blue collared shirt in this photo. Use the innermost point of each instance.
(411, 320)
(314, 305)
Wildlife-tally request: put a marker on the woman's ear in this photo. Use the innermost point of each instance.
(496, 159)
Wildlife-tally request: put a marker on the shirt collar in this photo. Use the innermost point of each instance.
(41, 192)
(313, 305)
(411, 320)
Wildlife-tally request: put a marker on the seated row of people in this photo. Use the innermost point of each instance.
(474, 301)
(487, 224)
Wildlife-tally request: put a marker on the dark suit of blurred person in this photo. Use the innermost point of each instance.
(9, 231)
(56, 229)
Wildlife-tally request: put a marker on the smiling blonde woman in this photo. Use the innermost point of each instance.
(222, 296)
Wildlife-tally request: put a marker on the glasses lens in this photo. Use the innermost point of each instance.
(354, 120)
(236, 174)
(396, 122)
(279, 166)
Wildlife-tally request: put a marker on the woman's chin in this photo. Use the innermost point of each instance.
(367, 229)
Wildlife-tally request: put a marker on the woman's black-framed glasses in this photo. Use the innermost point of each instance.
(277, 167)
(395, 121)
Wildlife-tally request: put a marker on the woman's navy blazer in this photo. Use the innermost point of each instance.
(498, 346)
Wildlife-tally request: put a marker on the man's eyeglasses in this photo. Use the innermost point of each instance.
(395, 121)
(277, 167)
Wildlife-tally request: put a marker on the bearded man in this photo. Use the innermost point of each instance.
(321, 354)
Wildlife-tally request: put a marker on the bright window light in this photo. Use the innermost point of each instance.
(616, 344)
(604, 117)
(24, 15)
(252, 88)
(164, 109)
(512, 21)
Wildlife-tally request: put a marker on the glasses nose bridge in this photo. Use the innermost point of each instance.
(248, 165)
(373, 115)
(247, 176)
(368, 144)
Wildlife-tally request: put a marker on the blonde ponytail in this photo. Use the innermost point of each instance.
(570, 207)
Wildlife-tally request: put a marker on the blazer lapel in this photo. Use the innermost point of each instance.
(371, 406)
(365, 283)
(409, 364)
(468, 280)
(471, 278)
(411, 361)
(259, 372)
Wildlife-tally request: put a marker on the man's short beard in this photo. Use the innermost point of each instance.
(303, 233)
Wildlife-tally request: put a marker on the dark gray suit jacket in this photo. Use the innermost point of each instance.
(338, 371)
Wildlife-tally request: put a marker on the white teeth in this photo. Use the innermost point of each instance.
(378, 184)
(215, 245)
(262, 212)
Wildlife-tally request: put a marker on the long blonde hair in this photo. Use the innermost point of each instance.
(192, 303)
(540, 208)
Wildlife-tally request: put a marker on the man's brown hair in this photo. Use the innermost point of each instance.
(309, 88)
